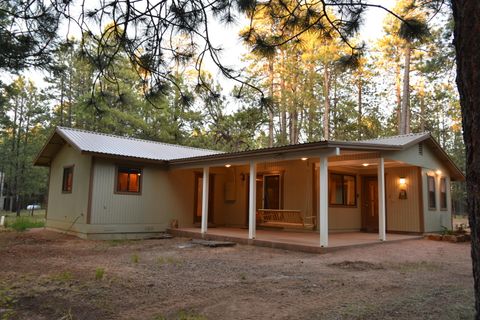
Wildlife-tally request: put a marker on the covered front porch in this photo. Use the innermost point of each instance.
(314, 198)
(298, 241)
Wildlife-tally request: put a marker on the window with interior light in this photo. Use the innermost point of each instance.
(431, 192)
(443, 193)
(342, 190)
(128, 180)
(67, 180)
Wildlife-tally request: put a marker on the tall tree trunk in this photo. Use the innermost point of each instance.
(466, 15)
(421, 94)
(283, 111)
(334, 109)
(326, 105)
(405, 111)
(62, 85)
(270, 107)
(359, 116)
(398, 95)
(17, 157)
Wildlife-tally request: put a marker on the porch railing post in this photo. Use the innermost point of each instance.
(205, 196)
(323, 201)
(252, 206)
(381, 200)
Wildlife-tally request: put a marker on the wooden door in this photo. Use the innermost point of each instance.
(197, 212)
(370, 204)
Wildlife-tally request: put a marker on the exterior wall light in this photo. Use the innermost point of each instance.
(365, 164)
(403, 188)
(304, 159)
(438, 172)
(228, 165)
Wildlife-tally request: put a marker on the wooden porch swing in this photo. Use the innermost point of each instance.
(285, 219)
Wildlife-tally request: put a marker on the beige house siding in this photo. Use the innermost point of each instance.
(231, 210)
(169, 194)
(149, 207)
(346, 218)
(433, 219)
(436, 218)
(68, 210)
(403, 214)
(181, 196)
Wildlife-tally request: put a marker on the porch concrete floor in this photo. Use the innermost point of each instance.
(290, 240)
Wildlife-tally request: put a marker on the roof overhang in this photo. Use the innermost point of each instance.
(455, 173)
(54, 143)
(289, 152)
(311, 150)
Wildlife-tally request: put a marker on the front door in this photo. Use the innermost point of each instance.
(197, 213)
(370, 204)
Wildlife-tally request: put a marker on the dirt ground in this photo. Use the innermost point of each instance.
(47, 275)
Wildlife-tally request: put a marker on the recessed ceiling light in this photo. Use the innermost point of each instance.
(228, 165)
(365, 164)
(304, 159)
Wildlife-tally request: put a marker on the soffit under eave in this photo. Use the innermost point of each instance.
(49, 150)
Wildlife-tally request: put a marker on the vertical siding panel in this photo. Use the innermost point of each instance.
(403, 214)
(66, 208)
(147, 208)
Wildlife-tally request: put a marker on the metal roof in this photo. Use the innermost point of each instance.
(101, 143)
(143, 150)
(403, 140)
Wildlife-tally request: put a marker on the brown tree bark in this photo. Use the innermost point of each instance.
(270, 108)
(326, 105)
(466, 15)
(360, 111)
(421, 94)
(398, 95)
(405, 110)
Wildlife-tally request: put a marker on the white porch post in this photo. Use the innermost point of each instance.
(323, 201)
(381, 199)
(252, 206)
(205, 189)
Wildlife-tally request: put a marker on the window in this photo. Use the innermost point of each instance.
(342, 190)
(431, 192)
(128, 180)
(443, 193)
(67, 180)
(271, 191)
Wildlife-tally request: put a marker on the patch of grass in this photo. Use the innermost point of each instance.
(118, 242)
(169, 261)
(99, 273)
(356, 265)
(23, 223)
(67, 315)
(64, 276)
(416, 266)
(135, 258)
(183, 315)
(6, 303)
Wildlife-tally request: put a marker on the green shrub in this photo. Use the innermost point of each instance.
(62, 276)
(23, 223)
(445, 231)
(135, 258)
(169, 260)
(99, 273)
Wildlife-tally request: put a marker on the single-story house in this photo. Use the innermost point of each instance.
(103, 186)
